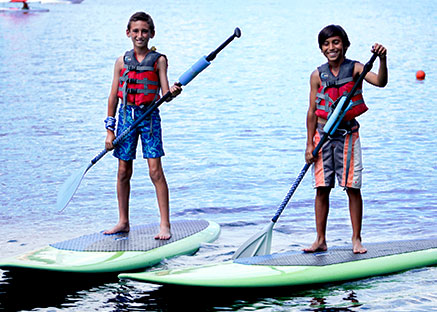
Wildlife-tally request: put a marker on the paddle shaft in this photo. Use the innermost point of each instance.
(366, 69)
(165, 97)
(213, 54)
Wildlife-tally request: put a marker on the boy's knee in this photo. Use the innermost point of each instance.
(323, 192)
(156, 174)
(352, 192)
(355, 196)
(124, 176)
(124, 172)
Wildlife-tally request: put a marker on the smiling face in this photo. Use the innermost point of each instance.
(140, 34)
(333, 49)
(333, 42)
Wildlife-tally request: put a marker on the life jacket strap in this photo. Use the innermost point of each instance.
(139, 68)
(125, 80)
(140, 91)
(138, 81)
(327, 99)
(338, 82)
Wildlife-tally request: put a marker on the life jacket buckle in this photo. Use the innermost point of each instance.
(132, 91)
(131, 80)
(344, 132)
(330, 83)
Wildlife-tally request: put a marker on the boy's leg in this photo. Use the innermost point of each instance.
(356, 214)
(125, 169)
(158, 179)
(321, 212)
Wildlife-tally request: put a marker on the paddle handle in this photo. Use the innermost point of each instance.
(213, 54)
(205, 61)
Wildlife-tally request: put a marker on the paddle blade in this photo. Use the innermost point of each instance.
(258, 245)
(67, 190)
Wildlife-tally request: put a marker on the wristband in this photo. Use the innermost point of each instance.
(110, 123)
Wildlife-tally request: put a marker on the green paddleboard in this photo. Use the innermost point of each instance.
(99, 253)
(298, 268)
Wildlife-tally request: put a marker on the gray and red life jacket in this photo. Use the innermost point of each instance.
(333, 87)
(139, 82)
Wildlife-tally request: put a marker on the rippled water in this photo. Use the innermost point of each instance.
(234, 142)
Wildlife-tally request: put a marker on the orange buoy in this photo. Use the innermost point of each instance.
(420, 75)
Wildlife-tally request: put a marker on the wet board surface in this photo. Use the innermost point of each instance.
(298, 268)
(340, 254)
(99, 253)
(139, 238)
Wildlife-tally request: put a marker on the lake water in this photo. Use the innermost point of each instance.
(234, 143)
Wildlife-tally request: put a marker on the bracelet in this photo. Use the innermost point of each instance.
(110, 123)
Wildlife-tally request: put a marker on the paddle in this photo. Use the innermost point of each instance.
(260, 243)
(68, 189)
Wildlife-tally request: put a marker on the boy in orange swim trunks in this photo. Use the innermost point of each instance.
(341, 154)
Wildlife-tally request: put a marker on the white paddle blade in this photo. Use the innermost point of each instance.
(258, 245)
(67, 190)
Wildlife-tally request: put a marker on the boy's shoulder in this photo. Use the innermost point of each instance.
(315, 72)
(315, 79)
(119, 61)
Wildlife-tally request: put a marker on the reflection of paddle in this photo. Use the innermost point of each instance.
(70, 186)
(260, 243)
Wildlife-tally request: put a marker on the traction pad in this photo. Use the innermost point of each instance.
(140, 238)
(340, 254)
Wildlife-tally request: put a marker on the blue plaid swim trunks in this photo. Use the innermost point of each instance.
(149, 130)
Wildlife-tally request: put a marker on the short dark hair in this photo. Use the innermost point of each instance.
(331, 31)
(141, 16)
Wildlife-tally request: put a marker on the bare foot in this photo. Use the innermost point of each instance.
(358, 248)
(316, 247)
(119, 228)
(164, 233)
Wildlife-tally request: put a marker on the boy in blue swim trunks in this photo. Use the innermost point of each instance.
(139, 76)
(340, 156)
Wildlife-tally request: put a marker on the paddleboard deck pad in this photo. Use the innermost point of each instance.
(298, 268)
(137, 249)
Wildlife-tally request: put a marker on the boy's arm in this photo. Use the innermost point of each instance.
(113, 101)
(380, 79)
(311, 121)
(163, 80)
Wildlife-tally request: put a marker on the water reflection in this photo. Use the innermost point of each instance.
(28, 290)
(95, 292)
(169, 298)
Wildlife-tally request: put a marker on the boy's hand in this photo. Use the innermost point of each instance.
(175, 90)
(309, 158)
(110, 137)
(380, 50)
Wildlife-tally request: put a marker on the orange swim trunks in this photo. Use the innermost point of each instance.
(339, 157)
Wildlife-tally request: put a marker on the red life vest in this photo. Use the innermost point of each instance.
(334, 87)
(139, 82)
